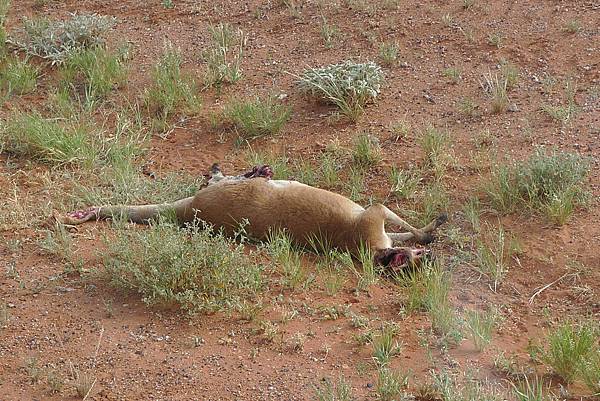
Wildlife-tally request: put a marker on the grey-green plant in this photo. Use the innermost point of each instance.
(56, 40)
(480, 325)
(341, 391)
(348, 85)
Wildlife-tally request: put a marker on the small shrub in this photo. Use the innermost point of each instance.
(590, 370)
(384, 347)
(223, 57)
(56, 40)
(480, 326)
(92, 73)
(496, 87)
(495, 39)
(170, 87)
(492, 258)
(49, 141)
(195, 268)
(257, 117)
(532, 390)
(569, 345)
(550, 183)
(453, 74)
(19, 77)
(467, 107)
(367, 152)
(340, 392)
(510, 72)
(435, 145)
(388, 52)
(573, 26)
(348, 85)
(329, 33)
(390, 384)
(404, 183)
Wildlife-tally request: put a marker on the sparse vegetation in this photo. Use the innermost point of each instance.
(257, 117)
(435, 144)
(572, 26)
(390, 384)
(480, 325)
(366, 152)
(496, 87)
(453, 74)
(566, 112)
(493, 255)
(90, 74)
(388, 52)
(18, 77)
(348, 85)
(495, 39)
(569, 345)
(385, 347)
(170, 89)
(551, 183)
(405, 182)
(329, 33)
(223, 57)
(342, 391)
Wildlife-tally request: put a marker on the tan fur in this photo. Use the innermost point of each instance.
(302, 211)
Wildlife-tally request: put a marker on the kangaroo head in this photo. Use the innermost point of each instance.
(400, 257)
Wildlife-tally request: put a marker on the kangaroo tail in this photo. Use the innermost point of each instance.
(142, 214)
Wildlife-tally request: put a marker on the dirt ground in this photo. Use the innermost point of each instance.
(140, 353)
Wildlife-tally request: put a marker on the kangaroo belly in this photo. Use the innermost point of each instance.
(303, 211)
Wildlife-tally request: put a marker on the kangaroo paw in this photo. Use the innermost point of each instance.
(260, 171)
(79, 216)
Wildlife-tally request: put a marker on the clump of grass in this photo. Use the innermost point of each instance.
(369, 274)
(329, 33)
(565, 112)
(405, 182)
(4, 7)
(90, 74)
(435, 144)
(330, 392)
(569, 345)
(385, 347)
(480, 325)
(467, 107)
(356, 184)
(57, 40)
(223, 57)
(257, 117)
(19, 77)
(495, 39)
(510, 72)
(532, 390)
(388, 52)
(549, 183)
(170, 88)
(428, 289)
(329, 168)
(50, 141)
(195, 268)
(348, 85)
(434, 201)
(453, 74)
(573, 26)
(390, 384)
(280, 247)
(493, 256)
(496, 87)
(83, 382)
(590, 370)
(366, 152)
(304, 172)
(467, 4)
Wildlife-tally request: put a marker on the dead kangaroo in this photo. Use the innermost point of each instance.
(303, 211)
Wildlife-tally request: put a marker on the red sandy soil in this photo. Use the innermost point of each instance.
(136, 352)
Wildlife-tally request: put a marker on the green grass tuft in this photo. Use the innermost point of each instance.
(18, 76)
(257, 117)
